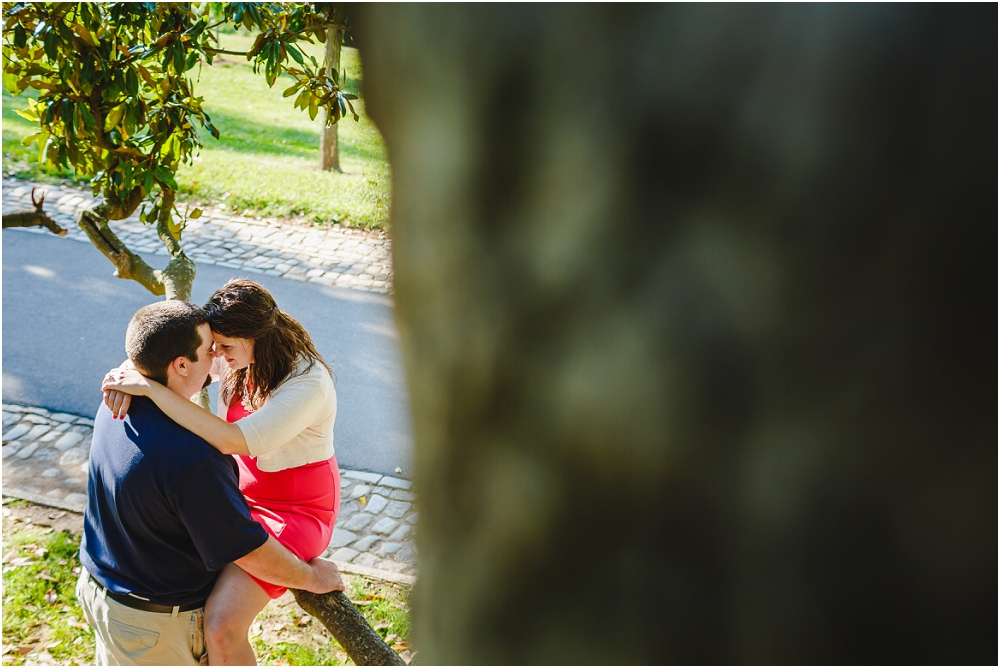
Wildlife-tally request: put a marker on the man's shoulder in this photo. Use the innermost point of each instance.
(156, 435)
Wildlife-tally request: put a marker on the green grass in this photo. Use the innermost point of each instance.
(39, 559)
(266, 162)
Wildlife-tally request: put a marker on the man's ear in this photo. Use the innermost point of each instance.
(181, 366)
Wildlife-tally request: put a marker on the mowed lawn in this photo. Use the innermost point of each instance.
(266, 162)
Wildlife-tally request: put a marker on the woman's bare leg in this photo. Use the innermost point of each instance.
(234, 603)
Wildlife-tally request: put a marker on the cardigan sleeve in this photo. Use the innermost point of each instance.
(292, 408)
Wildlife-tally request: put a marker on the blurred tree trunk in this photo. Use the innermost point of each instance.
(329, 147)
(697, 308)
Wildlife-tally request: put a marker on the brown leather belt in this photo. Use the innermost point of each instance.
(137, 603)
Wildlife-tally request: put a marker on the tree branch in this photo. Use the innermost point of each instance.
(28, 218)
(94, 222)
(33, 218)
(349, 628)
(226, 52)
(178, 276)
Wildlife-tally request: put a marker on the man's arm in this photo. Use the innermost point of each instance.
(273, 563)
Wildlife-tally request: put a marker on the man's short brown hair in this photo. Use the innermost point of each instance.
(160, 333)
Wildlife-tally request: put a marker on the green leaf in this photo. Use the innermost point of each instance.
(131, 82)
(67, 115)
(179, 58)
(51, 45)
(113, 117)
(88, 118)
(43, 154)
(294, 52)
(302, 101)
(195, 214)
(291, 89)
(87, 70)
(313, 108)
(165, 177)
(144, 73)
(84, 34)
(10, 82)
(30, 138)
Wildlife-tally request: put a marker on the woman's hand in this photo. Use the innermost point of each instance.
(118, 402)
(127, 381)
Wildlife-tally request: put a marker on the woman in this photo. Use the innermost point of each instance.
(277, 407)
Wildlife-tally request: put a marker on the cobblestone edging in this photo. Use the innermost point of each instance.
(46, 458)
(337, 256)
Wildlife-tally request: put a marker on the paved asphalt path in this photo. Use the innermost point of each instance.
(64, 320)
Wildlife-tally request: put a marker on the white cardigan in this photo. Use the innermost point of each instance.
(294, 427)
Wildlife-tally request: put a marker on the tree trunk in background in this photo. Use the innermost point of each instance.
(697, 307)
(329, 149)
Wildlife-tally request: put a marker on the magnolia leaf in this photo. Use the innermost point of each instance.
(10, 82)
(165, 177)
(144, 73)
(30, 114)
(113, 117)
(84, 34)
(195, 214)
(303, 99)
(174, 226)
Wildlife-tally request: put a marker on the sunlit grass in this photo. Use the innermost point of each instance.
(42, 620)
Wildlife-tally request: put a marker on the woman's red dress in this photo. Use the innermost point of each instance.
(297, 506)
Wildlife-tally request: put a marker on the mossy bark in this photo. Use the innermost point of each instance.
(696, 309)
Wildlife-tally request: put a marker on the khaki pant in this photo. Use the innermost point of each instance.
(129, 637)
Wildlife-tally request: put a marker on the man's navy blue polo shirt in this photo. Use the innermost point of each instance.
(164, 509)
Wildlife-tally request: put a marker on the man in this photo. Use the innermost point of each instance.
(165, 513)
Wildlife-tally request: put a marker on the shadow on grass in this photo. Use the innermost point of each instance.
(266, 139)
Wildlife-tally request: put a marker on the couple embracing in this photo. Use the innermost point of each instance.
(195, 521)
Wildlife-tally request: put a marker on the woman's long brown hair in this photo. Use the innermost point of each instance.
(243, 309)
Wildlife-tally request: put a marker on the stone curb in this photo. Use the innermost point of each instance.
(340, 257)
(46, 457)
(40, 500)
(377, 574)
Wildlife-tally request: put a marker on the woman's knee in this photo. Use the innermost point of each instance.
(223, 629)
